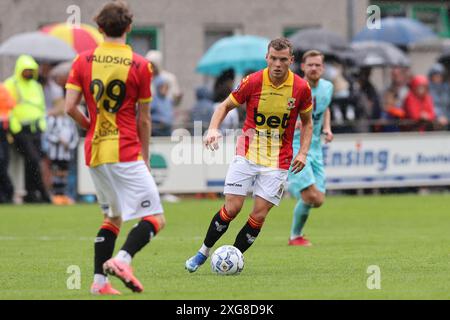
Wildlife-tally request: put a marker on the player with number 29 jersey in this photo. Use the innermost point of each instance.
(113, 79)
(115, 83)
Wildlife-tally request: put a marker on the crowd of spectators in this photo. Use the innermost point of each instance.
(408, 103)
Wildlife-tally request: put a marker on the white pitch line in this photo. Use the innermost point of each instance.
(48, 238)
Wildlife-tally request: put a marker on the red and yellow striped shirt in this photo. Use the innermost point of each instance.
(113, 79)
(271, 116)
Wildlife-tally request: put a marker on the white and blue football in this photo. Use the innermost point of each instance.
(227, 260)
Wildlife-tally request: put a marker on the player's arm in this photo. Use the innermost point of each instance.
(327, 126)
(305, 141)
(73, 98)
(144, 126)
(213, 135)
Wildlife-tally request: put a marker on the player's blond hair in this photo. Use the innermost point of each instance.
(313, 53)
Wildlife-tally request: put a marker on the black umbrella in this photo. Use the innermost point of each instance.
(329, 43)
(378, 54)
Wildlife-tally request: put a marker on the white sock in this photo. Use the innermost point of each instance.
(204, 250)
(124, 257)
(295, 236)
(100, 279)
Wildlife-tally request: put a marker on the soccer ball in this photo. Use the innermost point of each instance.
(227, 260)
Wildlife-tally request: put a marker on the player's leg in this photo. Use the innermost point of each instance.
(310, 197)
(251, 229)
(139, 199)
(221, 220)
(237, 182)
(301, 214)
(137, 239)
(217, 228)
(268, 191)
(309, 188)
(296, 184)
(140, 236)
(107, 235)
(103, 251)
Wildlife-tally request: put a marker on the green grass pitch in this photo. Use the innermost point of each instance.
(408, 237)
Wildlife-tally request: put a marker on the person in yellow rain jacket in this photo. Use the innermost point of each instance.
(6, 105)
(27, 122)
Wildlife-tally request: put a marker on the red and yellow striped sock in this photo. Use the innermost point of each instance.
(218, 226)
(104, 245)
(248, 234)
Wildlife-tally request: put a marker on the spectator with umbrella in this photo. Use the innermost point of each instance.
(380, 54)
(27, 123)
(337, 52)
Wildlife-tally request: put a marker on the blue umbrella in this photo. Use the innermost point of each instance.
(397, 30)
(240, 53)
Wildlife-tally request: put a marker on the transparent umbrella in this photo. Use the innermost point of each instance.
(378, 54)
(39, 45)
